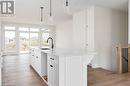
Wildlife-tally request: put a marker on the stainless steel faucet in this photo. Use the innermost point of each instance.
(52, 45)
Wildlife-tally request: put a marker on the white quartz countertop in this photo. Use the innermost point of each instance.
(73, 53)
(62, 52)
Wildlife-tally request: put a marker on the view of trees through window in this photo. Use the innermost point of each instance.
(10, 42)
(45, 36)
(34, 41)
(24, 42)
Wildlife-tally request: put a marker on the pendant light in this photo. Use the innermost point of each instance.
(41, 19)
(50, 13)
(67, 3)
(67, 7)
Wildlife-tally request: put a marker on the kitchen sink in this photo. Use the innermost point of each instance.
(45, 49)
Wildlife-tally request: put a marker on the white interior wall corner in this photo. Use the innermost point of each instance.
(108, 33)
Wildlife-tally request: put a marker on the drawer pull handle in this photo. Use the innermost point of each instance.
(36, 56)
(52, 58)
(32, 55)
(51, 65)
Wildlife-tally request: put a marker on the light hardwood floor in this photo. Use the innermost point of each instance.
(101, 77)
(17, 72)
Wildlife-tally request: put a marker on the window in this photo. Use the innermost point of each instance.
(34, 42)
(29, 38)
(24, 38)
(10, 40)
(24, 42)
(45, 36)
(34, 37)
(9, 37)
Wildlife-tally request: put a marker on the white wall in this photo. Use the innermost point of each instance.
(64, 33)
(110, 30)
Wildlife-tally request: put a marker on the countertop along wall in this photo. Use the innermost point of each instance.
(111, 28)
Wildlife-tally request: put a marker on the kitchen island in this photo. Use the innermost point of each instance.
(65, 67)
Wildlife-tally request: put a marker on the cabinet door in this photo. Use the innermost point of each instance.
(56, 70)
(35, 60)
(38, 61)
(83, 34)
(50, 70)
(38, 64)
(53, 70)
(32, 59)
(90, 28)
(80, 28)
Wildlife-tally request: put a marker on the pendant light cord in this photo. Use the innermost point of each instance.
(50, 7)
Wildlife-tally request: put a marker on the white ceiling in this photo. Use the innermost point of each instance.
(28, 11)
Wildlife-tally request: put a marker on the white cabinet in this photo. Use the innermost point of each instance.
(84, 30)
(53, 70)
(38, 60)
(61, 70)
(35, 60)
(83, 25)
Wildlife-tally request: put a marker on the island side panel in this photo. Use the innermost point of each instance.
(62, 71)
(76, 71)
(70, 70)
(44, 63)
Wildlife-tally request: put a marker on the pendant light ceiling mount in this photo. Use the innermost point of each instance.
(67, 3)
(67, 7)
